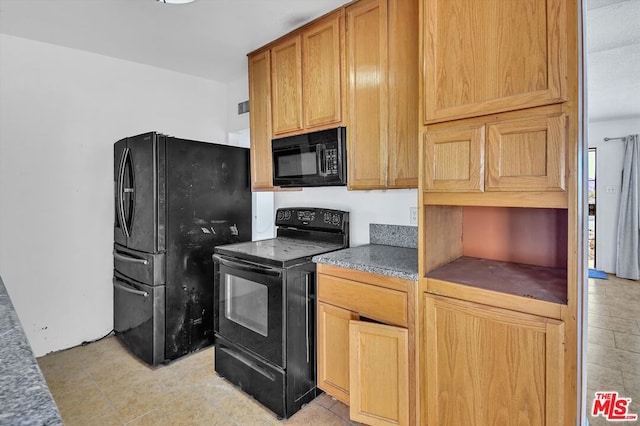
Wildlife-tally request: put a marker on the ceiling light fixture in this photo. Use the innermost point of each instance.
(176, 1)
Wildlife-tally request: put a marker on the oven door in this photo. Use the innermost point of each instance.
(250, 307)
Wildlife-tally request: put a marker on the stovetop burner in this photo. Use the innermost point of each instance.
(302, 233)
(281, 251)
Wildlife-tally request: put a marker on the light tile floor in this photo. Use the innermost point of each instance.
(613, 345)
(103, 384)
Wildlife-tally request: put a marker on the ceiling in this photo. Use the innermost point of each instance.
(210, 38)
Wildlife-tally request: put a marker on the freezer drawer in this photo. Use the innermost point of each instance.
(138, 313)
(144, 267)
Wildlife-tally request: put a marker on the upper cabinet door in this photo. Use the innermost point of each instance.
(286, 79)
(260, 120)
(527, 155)
(321, 71)
(367, 87)
(454, 160)
(492, 56)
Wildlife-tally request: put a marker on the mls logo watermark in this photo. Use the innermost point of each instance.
(612, 407)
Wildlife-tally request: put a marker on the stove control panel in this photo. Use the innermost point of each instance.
(312, 218)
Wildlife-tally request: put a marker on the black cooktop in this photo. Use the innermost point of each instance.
(280, 251)
(302, 233)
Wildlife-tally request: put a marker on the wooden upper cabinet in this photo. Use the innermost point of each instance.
(306, 73)
(322, 70)
(260, 120)
(490, 366)
(367, 90)
(286, 80)
(454, 160)
(382, 71)
(492, 56)
(403, 82)
(498, 154)
(527, 155)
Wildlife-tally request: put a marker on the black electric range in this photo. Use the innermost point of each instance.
(265, 307)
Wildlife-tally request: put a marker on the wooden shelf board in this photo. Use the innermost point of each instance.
(526, 281)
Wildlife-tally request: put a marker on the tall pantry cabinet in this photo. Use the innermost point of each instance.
(501, 199)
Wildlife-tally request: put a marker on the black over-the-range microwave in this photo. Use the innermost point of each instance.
(312, 159)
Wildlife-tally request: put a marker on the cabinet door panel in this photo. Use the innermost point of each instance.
(454, 160)
(260, 118)
(286, 79)
(367, 88)
(379, 367)
(492, 56)
(333, 350)
(403, 78)
(322, 65)
(491, 366)
(527, 155)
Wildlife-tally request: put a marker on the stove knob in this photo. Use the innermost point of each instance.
(280, 215)
(287, 215)
(336, 219)
(327, 217)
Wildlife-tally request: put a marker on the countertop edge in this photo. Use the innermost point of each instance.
(333, 258)
(25, 398)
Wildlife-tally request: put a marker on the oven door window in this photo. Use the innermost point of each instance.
(250, 308)
(246, 303)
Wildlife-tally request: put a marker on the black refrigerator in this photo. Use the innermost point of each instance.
(175, 201)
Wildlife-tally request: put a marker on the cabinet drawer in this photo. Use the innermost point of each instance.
(370, 301)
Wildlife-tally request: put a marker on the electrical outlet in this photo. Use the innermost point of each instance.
(413, 216)
(611, 189)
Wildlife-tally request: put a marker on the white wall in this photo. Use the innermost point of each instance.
(60, 112)
(237, 91)
(364, 207)
(609, 158)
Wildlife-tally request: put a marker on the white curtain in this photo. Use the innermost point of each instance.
(628, 253)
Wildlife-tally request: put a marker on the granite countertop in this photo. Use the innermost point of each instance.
(392, 252)
(25, 398)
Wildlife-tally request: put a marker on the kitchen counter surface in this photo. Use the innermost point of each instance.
(25, 398)
(398, 262)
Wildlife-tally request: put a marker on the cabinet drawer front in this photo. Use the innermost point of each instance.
(376, 303)
(527, 155)
(453, 160)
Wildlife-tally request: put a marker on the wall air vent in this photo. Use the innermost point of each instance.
(243, 107)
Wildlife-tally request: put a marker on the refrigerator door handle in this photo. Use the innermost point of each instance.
(121, 191)
(119, 181)
(129, 259)
(121, 285)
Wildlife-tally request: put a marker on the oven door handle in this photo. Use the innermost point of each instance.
(248, 267)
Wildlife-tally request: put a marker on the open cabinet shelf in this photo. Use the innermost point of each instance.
(514, 258)
(533, 289)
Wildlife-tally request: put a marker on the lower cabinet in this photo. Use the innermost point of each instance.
(379, 373)
(362, 361)
(490, 366)
(333, 350)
